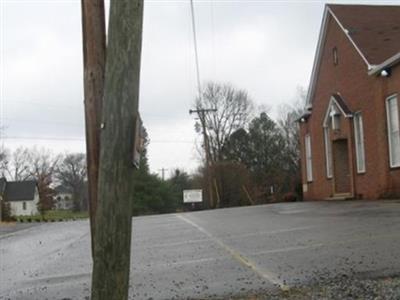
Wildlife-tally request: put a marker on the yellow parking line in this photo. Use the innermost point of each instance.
(271, 277)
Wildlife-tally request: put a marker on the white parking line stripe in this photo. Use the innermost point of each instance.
(138, 245)
(271, 277)
(272, 232)
(288, 249)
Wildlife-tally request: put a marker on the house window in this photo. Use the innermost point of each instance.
(335, 118)
(24, 205)
(335, 56)
(308, 157)
(392, 112)
(359, 140)
(328, 152)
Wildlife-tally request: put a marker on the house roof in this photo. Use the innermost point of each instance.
(20, 190)
(342, 105)
(373, 30)
(60, 189)
(3, 182)
(339, 103)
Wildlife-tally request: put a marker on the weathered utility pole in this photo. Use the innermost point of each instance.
(201, 114)
(111, 264)
(94, 51)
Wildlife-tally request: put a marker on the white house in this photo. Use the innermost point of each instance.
(23, 197)
(63, 198)
(2, 189)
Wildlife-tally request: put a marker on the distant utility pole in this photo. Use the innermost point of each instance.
(112, 251)
(162, 170)
(94, 59)
(201, 114)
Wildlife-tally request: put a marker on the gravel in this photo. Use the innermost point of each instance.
(387, 288)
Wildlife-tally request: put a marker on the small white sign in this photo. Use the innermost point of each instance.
(191, 196)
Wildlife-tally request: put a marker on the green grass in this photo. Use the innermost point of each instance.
(54, 216)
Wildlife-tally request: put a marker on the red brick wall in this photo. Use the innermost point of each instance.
(389, 86)
(361, 92)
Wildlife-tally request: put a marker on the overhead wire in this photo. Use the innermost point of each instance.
(2, 113)
(196, 52)
(62, 106)
(44, 138)
(213, 38)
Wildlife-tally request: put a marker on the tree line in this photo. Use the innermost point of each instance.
(254, 159)
(48, 170)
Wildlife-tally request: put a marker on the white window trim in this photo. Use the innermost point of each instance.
(328, 154)
(308, 154)
(394, 96)
(360, 169)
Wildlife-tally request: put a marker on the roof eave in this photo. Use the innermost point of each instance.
(321, 39)
(390, 62)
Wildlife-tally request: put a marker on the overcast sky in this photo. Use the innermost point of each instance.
(265, 47)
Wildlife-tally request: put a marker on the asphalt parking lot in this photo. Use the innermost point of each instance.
(216, 254)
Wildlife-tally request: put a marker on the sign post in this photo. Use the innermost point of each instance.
(192, 197)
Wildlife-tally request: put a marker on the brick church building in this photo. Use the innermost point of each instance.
(350, 134)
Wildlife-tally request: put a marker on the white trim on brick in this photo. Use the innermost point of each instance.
(393, 133)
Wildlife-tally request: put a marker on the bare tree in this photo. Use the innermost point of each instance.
(287, 122)
(17, 164)
(42, 167)
(4, 156)
(234, 108)
(72, 173)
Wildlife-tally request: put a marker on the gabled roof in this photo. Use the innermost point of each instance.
(20, 190)
(337, 101)
(61, 189)
(342, 105)
(373, 30)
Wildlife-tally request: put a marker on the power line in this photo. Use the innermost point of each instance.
(162, 170)
(44, 138)
(195, 46)
(213, 38)
(79, 107)
(2, 114)
(44, 122)
(45, 104)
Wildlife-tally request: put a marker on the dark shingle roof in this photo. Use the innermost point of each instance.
(3, 182)
(342, 104)
(60, 189)
(20, 190)
(375, 29)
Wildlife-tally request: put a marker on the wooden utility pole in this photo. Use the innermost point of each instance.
(110, 278)
(201, 114)
(94, 51)
(162, 170)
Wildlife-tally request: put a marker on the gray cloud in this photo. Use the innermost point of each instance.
(266, 47)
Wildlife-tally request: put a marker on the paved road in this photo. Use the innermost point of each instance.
(214, 254)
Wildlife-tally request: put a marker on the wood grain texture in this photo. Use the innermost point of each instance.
(94, 59)
(110, 279)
